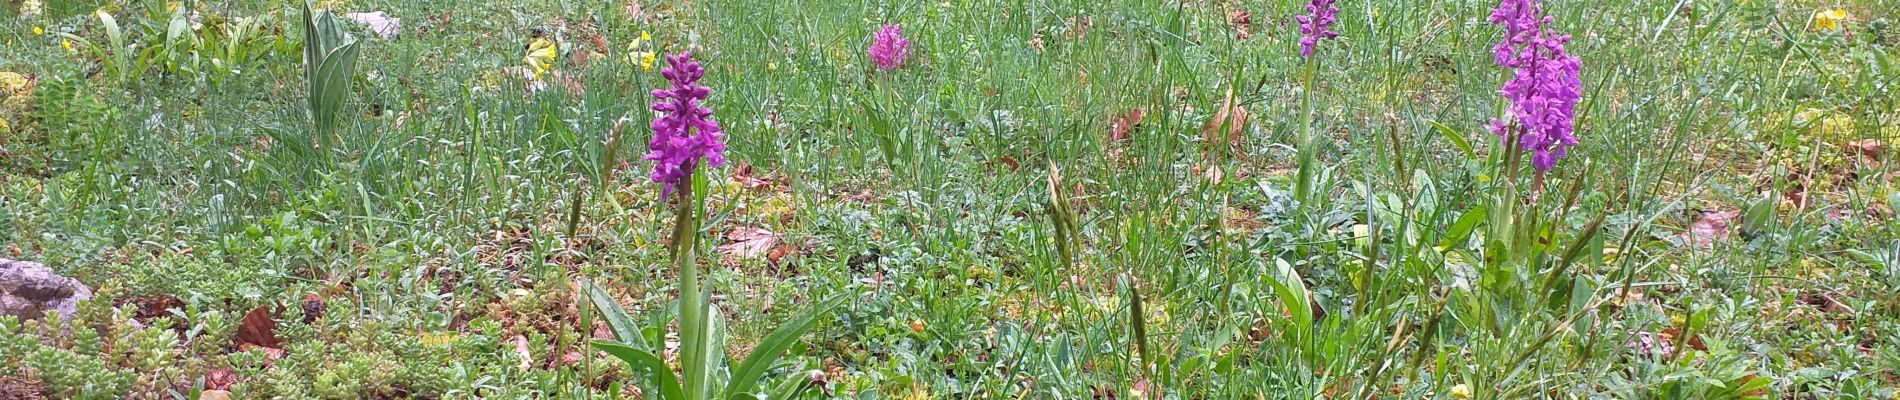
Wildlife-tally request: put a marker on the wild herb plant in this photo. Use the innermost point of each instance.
(684, 137)
(330, 54)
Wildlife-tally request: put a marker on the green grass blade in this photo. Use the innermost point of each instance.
(1457, 139)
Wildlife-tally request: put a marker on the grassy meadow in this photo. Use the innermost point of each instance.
(1049, 199)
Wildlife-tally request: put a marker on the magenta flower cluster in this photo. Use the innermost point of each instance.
(685, 131)
(889, 48)
(1546, 85)
(1317, 25)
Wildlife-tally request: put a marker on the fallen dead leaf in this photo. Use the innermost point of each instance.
(1007, 161)
(1870, 149)
(156, 306)
(521, 351)
(748, 179)
(749, 242)
(1242, 22)
(1121, 127)
(1230, 117)
(379, 23)
(1713, 226)
(220, 379)
(259, 329)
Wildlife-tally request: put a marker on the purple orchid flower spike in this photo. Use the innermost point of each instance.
(685, 132)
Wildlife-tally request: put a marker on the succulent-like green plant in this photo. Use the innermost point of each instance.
(329, 56)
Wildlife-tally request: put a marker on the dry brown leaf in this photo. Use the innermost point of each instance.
(749, 242)
(1122, 127)
(155, 306)
(748, 179)
(379, 23)
(1870, 149)
(220, 379)
(1007, 161)
(259, 329)
(522, 352)
(1230, 116)
(1242, 22)
(1713, 226)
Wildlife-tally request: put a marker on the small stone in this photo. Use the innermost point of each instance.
(29, 289)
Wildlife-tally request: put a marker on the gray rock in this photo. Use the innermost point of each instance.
(29, 290)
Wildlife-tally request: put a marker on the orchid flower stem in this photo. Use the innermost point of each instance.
(693, 307)
(1303, 191)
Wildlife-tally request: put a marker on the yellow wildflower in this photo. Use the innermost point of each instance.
(1461, 391)
(68, 45)
(638, 52)
(541, 56)
(1829, 19)
(39, 31)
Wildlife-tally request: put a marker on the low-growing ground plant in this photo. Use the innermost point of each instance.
(961, 199)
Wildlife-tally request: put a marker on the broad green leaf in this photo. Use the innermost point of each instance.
(178, 27)
(747, 373)
(793, 386)
(1461, 230)
(1760, 217)
(712, 350)
(640, 359)
(312, 50)
(1893, 200)
(625, 328)
(114, 35)
(333, 85)
(1292, 293)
